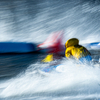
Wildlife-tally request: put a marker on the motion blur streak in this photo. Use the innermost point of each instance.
(24, 20)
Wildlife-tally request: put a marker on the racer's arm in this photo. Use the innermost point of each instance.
(68, 53)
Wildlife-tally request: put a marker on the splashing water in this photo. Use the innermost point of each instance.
(75, 80)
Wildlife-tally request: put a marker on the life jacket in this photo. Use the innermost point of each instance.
(74, 49)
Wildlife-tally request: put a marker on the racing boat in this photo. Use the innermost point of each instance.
(53, 44)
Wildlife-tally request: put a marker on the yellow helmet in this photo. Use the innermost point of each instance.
(71, 42)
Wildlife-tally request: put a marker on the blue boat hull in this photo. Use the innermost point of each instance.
(23, 47)
(49, 68)
(17, 47)
(93, 46)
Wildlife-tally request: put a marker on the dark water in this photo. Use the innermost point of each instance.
(33, 21)
(12, 64)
